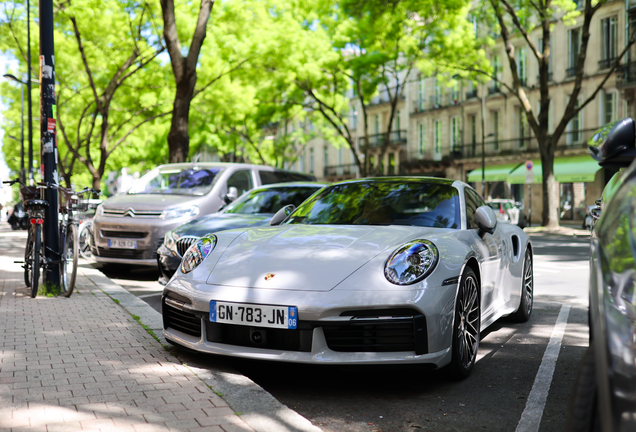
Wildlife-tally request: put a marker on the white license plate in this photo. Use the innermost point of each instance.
(283, 317)
(122, 244)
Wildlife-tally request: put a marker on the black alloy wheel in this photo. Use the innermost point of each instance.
(527, 291)
(467, 326)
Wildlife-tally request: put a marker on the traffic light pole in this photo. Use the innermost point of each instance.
(48, 143)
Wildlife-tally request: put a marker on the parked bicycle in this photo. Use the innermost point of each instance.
(35, 259)
(86, 229)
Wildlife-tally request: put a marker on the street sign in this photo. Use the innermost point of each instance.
(529, 173)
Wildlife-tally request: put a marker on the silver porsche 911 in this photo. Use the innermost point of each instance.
(371, 271)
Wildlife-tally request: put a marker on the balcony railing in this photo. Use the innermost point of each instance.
(495, 88)
(549, 77)
(384, 96)
(626, 75)
(515, 146)
(340, 170)
(471, 94)
(571, 71)
(376, 140)
(606, 63)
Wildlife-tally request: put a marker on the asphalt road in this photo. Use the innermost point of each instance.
(498, 396)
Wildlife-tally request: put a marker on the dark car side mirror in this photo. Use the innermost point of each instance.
(614, 144)
(486, 219)
(282, 215)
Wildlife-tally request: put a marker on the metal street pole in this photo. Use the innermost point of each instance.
(48, 144)
(28, 84)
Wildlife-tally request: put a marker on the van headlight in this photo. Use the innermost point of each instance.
(196, 253)
(99, 211)
(179, 212)
(411, 263)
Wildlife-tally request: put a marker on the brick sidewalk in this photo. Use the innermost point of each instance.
(83, 363)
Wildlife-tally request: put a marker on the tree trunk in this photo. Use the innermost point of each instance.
(178, 137)
(550, 216)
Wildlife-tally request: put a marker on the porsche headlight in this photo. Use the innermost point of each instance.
(197, 253)
(411, 263)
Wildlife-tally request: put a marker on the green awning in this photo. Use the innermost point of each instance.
(574, 169)
(493, 173)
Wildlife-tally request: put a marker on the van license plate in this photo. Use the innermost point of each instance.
(122, 244)
(256, 315)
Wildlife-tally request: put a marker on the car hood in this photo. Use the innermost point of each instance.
(220, 222)
(146, 201)
(304, 257)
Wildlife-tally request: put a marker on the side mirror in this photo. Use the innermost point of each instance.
(231, 195)
(486, 219)
(519, 204)
(614, 145)
(282, 215)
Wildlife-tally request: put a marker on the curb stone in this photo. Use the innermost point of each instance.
(258, 408)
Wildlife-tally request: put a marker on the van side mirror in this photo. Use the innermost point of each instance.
(282, 215)
(232, 194)
(486, 219)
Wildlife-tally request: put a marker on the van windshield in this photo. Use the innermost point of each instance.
(176, 181)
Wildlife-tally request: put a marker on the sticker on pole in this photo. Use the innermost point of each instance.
(529, 173)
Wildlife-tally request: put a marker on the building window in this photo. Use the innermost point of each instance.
(391, 164)
(438, 94)
(340, 155)
(609, 39)
(495, 130)
(609, 108)
(421, 140)
(354, 119)
(455, 94)
(438, 136)
(422, 94)
(574, 48)
(472, 121)
(311, 160)
(523, 128)
(326, 155)
(455, 134)
(575, 126)
(376, 124)
(397, 123)
(301, 163)
(521, 65)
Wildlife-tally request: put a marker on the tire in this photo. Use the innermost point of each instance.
(27, 258)
(35, 262)
(583, 411)
(466, 326)
(526, 300)
(70, 255)
(84, 239)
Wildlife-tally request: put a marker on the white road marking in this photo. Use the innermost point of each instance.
(531, 416)
(149, 295)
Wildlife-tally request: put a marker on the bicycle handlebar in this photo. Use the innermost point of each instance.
(68, 191)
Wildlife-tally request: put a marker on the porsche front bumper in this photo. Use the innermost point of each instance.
(335, 327)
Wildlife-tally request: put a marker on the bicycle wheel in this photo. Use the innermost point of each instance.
(84, 239)
(35, 261)
(27, 257)
(70, 255)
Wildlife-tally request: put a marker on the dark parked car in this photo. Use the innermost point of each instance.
(129, 228)
(604, 396)
(254, 208)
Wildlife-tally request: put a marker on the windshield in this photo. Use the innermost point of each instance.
(176, 181)
(382, 203)
(270, 200)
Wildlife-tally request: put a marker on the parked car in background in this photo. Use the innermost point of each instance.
(403, 270)
(604, 395)
(509, 211)
(254, 208)
(129, 228)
